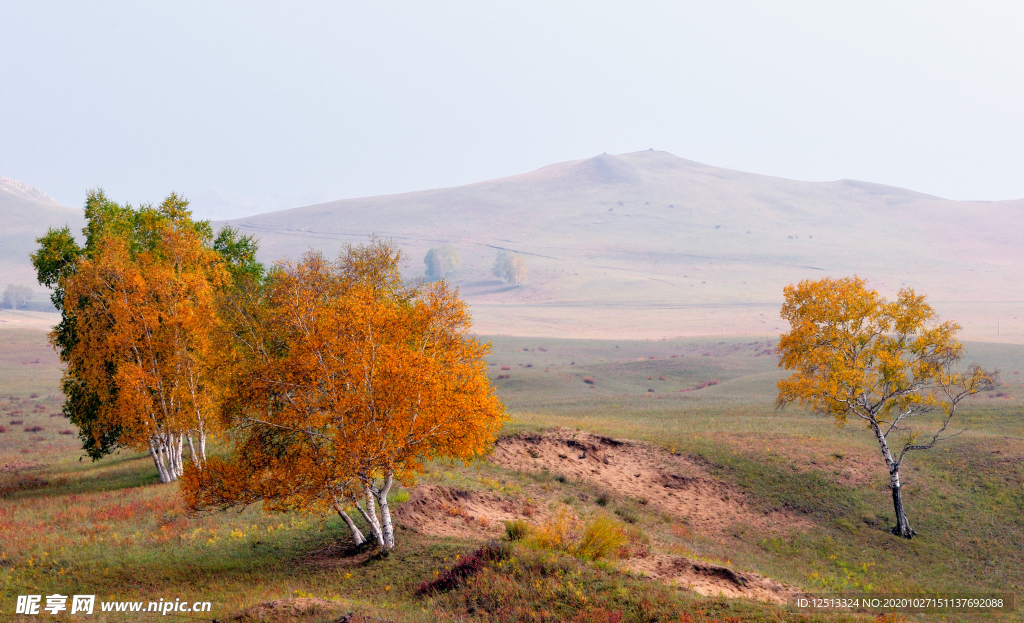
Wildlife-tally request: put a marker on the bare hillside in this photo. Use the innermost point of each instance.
(648, 244)
(25, 214)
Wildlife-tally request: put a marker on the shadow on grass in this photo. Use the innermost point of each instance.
(127, 473)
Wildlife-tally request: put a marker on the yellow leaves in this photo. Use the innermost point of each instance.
(853, 352)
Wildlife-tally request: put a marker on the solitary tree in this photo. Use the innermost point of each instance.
(889, 364)
(441, 260)
(510, 268)
(345, 380)
(138, 334)
(16, 296)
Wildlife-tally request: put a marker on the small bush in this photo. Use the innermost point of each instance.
(466, 567)
(516, 530)
(16, 422)
(601, 538)
(588, 380)
(559, 533)
(602, 499)
(561, 479)
(628, 515)
(34, 429)
(67, 431)
(33, 395)
(505, 368)
(3, 429)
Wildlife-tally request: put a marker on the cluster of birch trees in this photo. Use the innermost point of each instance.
(321, 382)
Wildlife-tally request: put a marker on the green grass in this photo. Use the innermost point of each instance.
(111, 529)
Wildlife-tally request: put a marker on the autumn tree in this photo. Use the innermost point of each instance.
(510, 268)
(346, 380)
(16, 296)
(890, 365)
(441, 260)
(139, 322)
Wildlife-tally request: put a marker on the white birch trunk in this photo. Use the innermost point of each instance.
(155, 453)
(370, 515)
(387, 528)
(357, 535)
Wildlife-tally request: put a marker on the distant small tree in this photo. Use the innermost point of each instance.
(441, 260)
(510, 268)
(16, 296)
(890, 364)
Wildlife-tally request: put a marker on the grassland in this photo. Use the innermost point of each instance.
(72, 526)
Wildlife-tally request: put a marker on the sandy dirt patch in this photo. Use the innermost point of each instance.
(709, 579)
(296, 610)
(447, 511)
(673, 484)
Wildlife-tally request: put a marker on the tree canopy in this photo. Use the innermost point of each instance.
(890, 365)
(139, 325)
(345, 379)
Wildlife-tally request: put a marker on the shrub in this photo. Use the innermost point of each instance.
(516, 529)
(559, 533)
(602, 499)
(601, 538)
(466, 567)
(34, 429)
(67, 431)
(628, 515)
(588, 380)
(16, 422)
(3, 429)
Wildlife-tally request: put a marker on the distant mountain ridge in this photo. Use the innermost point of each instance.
(648, 230)
(20, 189)
(25, 214)
(647, 244)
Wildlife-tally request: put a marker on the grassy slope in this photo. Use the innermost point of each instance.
(110, 528)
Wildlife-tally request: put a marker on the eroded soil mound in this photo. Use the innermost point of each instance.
(673, 484)
(710, 579)
(298, 610)
(447, 511)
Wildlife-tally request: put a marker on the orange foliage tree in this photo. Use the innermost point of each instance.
(889, 364)
(346, 379)
(139, 329)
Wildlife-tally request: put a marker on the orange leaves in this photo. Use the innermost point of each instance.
(345, 374)
(144, 311)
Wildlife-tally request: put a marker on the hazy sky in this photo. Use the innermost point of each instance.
(251, 106)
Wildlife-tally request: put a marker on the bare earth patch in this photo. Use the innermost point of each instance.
(287, 611)
(710, 579)
(446, 511)
(673, 484)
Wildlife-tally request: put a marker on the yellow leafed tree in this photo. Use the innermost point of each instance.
(346, 380)
(890, 365)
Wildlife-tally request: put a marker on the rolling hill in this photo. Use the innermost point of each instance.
(651, 245)
(25, 214)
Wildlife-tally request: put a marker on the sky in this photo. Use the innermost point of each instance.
(246, 107)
